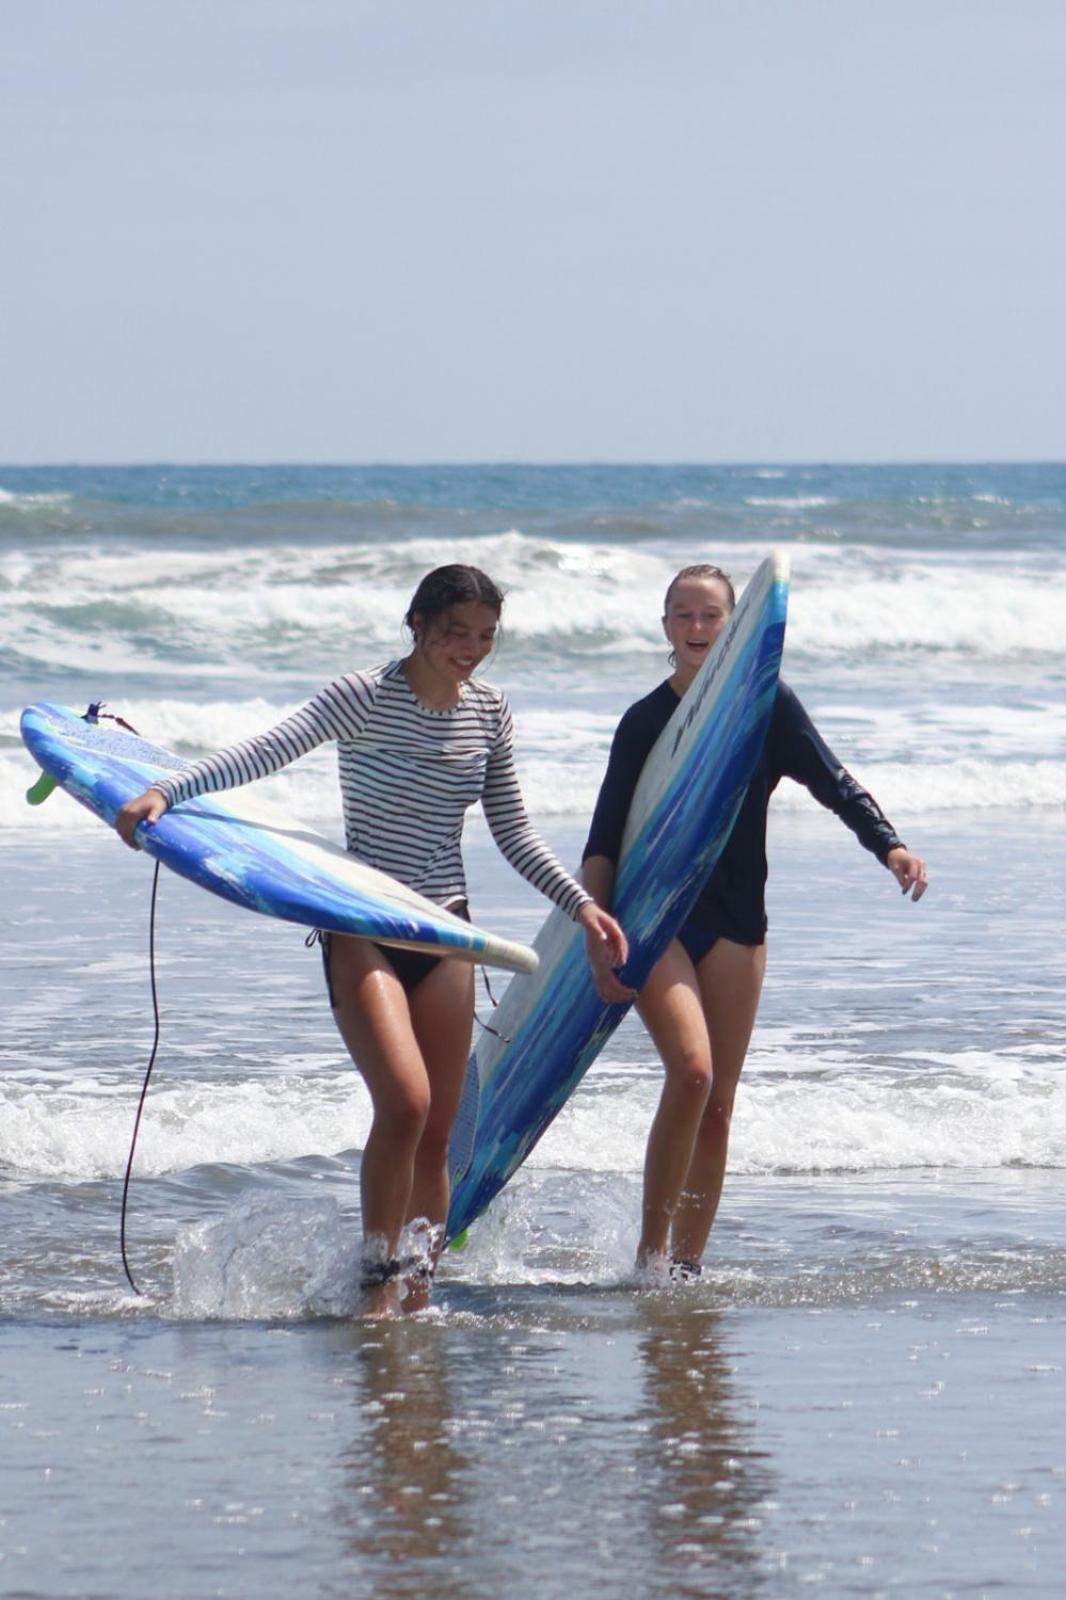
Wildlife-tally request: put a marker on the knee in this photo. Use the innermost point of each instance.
(690, 1077)
(400, 1116)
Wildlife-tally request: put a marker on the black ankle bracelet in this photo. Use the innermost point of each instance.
(376, 1273)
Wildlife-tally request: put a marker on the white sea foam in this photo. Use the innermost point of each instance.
(308, 791)
(795, 502)
(570, 731)
(147, 613)
(969, 1110)
(995, 1114)
(253, 608)
(565, 783)
(30, 502)
(82, 1130)
(268, 624)
(268, 1258)
(967, 785)
(947, 727)
(976, 614)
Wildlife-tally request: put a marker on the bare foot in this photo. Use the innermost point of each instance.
(652, 1269)
(379, 1275)
(416, 1294)
(424, 1240)
(380, 1304)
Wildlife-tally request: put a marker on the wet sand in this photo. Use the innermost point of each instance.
(543, 1442)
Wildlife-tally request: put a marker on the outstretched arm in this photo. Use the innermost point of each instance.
(809, 760)
(335, 712)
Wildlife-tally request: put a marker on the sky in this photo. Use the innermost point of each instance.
(523, 230)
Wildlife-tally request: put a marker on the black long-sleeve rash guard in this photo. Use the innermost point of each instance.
(732, 903)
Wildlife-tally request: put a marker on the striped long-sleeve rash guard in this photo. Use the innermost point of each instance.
(408, 775)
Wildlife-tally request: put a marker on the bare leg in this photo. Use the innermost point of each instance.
(730, 981)
(671, 1008)
(374, 1020)
(442, 1012)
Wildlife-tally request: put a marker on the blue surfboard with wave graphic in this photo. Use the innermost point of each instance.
(550, 1026)
(246, 851)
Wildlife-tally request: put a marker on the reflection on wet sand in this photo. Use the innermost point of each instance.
(511, 1453)
(704, 1477)
(404, 1511)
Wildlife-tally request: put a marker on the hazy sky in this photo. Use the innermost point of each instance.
(676, 230)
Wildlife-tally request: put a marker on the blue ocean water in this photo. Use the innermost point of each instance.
(894, 503)
(925, 616)
(924, 635)
(894, 1216)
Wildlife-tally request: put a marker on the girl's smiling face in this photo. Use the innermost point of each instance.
(455, 643)
(696, 612)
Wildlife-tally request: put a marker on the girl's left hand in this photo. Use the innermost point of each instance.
(908, 871)
(607, 948)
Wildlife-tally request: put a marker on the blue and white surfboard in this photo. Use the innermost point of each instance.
(242, 851)
(550, 1027)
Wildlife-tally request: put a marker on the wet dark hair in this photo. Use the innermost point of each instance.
(702, 570)
(445, 587)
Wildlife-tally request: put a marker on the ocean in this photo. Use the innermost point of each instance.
(864, 1394)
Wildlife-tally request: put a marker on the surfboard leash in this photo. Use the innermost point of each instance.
(486, 1027)
(95, 713)
(40, 791)
(144, 1086)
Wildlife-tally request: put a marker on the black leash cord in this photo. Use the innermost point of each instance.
(486, 1027)
(147, 1079)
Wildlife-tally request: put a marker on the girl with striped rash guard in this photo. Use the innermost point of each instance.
(408, 774)
(419, 741)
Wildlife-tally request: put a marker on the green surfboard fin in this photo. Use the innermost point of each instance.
(39, 792)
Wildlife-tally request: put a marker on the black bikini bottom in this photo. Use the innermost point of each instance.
(410, 966)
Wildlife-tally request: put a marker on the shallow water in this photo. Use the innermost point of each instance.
(864, 1393)
(862, 1396)
(544, 1441)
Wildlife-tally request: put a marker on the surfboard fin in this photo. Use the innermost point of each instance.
(38, 792)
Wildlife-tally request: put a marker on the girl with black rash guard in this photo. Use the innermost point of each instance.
(419, 741)
(699, 1003)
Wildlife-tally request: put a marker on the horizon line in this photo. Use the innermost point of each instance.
(515, 462)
